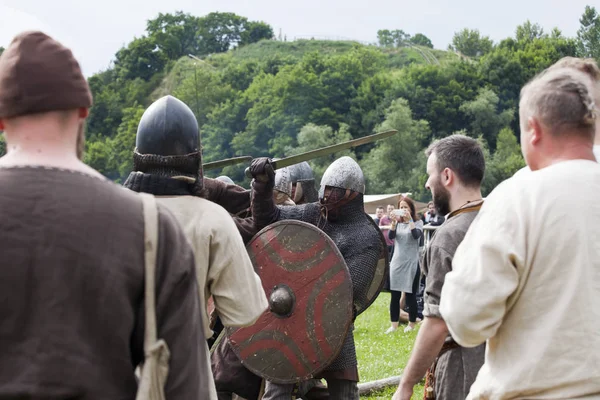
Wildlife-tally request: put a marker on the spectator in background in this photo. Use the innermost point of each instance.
(378, 215)
(404, 267)
(385, 223)
(432, 217)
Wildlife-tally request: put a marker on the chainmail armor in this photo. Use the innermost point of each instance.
(309, 191)
(189, 165)
(157, 185)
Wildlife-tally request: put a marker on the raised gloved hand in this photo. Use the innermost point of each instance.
(262, 170)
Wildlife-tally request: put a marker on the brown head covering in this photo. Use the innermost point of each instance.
(38, 74)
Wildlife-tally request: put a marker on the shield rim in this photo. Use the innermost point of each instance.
(385, 273)
(231, 330)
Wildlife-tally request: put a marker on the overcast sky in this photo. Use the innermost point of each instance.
(95, 30)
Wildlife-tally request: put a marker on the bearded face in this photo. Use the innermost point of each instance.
(441, 197)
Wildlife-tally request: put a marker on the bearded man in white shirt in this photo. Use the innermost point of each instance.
(529, 286)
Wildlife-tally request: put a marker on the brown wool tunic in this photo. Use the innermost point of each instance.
(457, 368)
(72, 290)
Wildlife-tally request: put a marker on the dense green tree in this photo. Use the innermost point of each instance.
(202, 90)
(343, 76)
(220, 31)
(313, 136)
(123, 144)
(98, 153)
(113, 157)
(588, 35)
(435, 93)
(421, 40)
(176, 35)
(486, 118)
(224, 123)
(529, 32)
(367, 108)
(505, 161)
(509, 66)
(471, 43)
(394, 38)
(385, 38)
(281, 105)
(556, 33)
(319, 89)
(142, 58)
(107, 111)
(255, 31)
(504, 73)
(389, 165)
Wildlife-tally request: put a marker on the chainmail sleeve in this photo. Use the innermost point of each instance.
(309, 192)
(305, 212)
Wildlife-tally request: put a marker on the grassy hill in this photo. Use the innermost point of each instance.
(398, 57)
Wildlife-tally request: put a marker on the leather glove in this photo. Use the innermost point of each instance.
(263, 173)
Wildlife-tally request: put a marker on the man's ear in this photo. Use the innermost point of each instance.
(83, 113)
(536, 129)
(447, 177)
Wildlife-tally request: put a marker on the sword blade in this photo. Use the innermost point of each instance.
(324, 151)
(226, 162)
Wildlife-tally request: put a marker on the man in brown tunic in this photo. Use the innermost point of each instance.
(455, 167)
(72, 244)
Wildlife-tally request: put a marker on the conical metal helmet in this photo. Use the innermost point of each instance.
(168, 128)
(343, 173)
(168, 142)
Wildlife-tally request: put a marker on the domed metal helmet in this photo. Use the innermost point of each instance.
(301, 172)
(168, 142)
(343, 173)
(303, 183)
(226, 179)
(283, 183)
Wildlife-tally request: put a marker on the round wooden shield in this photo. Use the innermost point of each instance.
(383, 269)
(309, 289)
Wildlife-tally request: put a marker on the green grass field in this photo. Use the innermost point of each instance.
(380, 355)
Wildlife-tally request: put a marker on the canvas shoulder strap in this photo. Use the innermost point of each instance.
(155, 369)
(150, 247)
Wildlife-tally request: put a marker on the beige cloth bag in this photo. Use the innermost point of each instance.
(155, 369)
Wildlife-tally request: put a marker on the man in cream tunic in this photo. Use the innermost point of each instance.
(168, 164)
(530, 286)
